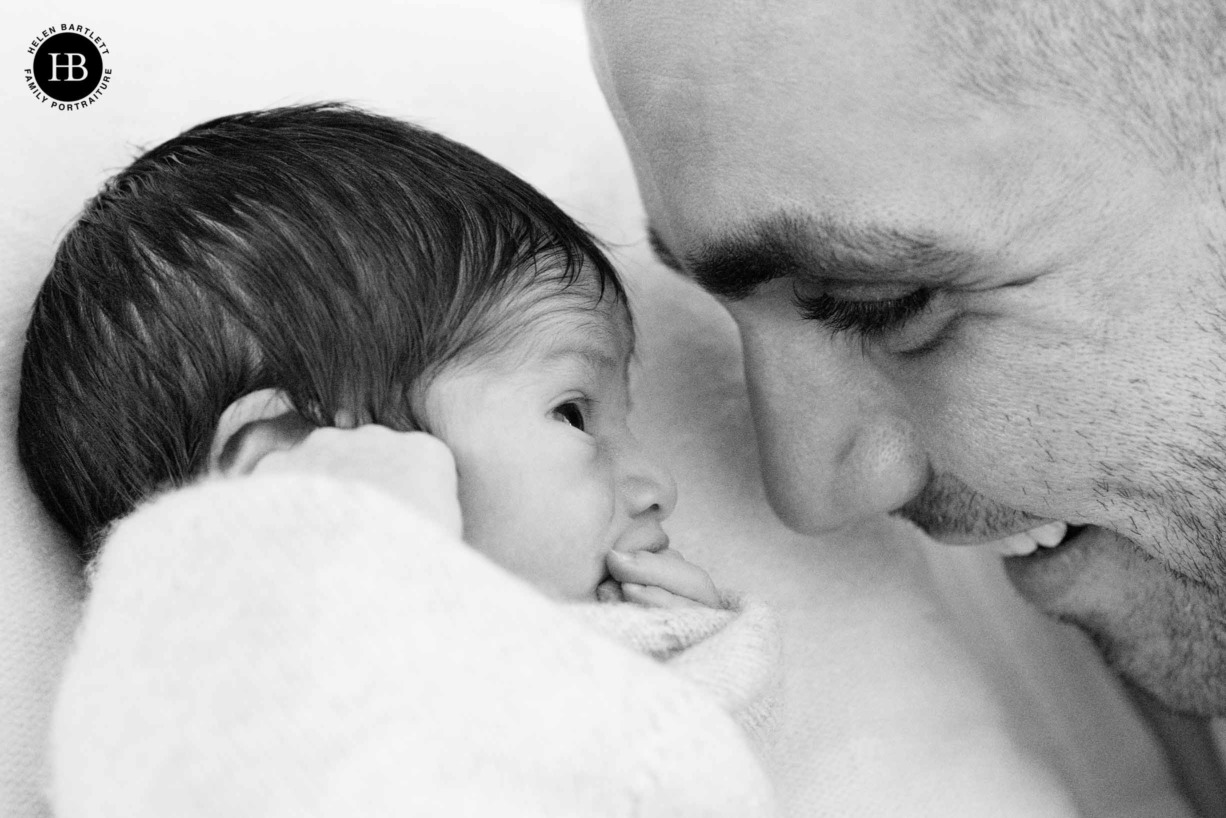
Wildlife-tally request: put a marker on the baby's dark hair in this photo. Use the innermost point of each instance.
(335, 254)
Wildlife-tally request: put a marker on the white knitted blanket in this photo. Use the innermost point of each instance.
(733, 653)
(294, 646)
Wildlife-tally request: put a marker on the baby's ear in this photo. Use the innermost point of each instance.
(255, 425)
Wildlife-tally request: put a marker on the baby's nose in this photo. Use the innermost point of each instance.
(649, 485)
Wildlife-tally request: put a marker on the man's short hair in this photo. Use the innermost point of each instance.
(1155, 68)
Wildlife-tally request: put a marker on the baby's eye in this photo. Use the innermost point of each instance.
(571, 412)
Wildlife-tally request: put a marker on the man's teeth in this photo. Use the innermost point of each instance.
(1047, 535)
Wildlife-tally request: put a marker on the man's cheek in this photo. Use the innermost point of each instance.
(1007, 439)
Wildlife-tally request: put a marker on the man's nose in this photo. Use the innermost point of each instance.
(835, 442)
(648, 486)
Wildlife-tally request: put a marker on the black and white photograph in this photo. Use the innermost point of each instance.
(613, 409)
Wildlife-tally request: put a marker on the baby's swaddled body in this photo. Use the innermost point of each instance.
(316, 648)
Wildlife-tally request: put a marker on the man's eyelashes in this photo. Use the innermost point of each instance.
(866, 318)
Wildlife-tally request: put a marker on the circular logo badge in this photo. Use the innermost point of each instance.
(68, 71)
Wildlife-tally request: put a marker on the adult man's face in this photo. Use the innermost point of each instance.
(982, 316)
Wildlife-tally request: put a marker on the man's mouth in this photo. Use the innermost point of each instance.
(1047, 537)
(953, 513)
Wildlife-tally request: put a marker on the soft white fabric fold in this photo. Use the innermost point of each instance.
(288, 645)
(733, 652)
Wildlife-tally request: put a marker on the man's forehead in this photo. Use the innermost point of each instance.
(828, 119)
(642, 46)
(719, 99)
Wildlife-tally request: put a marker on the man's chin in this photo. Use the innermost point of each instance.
(1163, 632)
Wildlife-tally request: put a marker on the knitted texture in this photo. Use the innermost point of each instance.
(733, 652)
(294, 646)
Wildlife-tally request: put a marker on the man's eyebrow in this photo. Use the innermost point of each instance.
(783, 245)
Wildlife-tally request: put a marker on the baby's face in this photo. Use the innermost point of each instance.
(550, 477)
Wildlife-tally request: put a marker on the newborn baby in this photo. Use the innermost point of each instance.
(317, 290)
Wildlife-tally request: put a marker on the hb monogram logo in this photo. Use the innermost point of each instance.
(74, 63)
(68, 70)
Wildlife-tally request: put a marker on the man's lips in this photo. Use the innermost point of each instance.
(978, 538)
(951, 512)
(1040, 528)
(1046, 535)
(1045, 576)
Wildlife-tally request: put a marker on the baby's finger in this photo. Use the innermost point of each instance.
(609, 591)
(665, 570)
(656, 597)
(671, 554)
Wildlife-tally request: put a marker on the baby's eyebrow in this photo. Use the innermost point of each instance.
(592, 356)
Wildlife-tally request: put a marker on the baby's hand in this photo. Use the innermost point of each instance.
(659, 580)
(416, 468)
